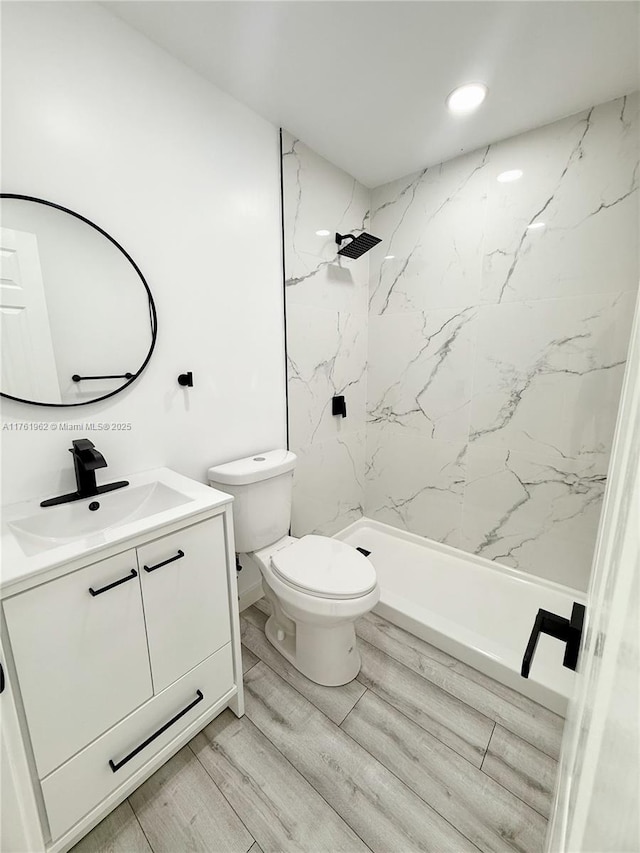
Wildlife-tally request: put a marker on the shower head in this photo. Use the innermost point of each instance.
(358, 245)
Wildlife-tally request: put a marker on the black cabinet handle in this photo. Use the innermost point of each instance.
(2, 682)
(178, 556)
(130, 577)
(567, 630)
(117, 765)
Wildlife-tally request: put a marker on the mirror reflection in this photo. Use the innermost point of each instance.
(77, 319)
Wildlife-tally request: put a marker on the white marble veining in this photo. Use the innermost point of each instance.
(418, 373)
(580, 179)
(505, 343)
(432, 223)
(319, 196)
(327, 325)
(328, 486)
(415, 482)
(548, 373)
(487, 375)
(326, 355)
(532, 512)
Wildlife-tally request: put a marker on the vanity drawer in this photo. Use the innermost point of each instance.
(86, 780)
(80, 651)
(186, 600)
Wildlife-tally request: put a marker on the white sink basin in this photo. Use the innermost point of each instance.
(36, 539)
(54, 526)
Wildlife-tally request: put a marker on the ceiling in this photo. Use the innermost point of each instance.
(363, 82)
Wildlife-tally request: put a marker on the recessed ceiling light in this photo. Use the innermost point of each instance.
(535, 226)
(389, 257)
(466, 98)
(510, 175)
(323, 232)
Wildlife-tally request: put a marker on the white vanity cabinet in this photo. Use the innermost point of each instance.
(81, 658)
(184, 588)
(117, 663)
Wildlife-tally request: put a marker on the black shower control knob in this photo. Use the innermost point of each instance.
(339, 406)
(186, 380)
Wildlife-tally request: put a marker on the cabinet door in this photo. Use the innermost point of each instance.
(186, 601)
(89, 777)
(81, 655)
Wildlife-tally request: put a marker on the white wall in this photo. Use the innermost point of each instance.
(98, 119)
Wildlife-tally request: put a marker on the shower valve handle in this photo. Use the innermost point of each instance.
(339, 406)
(567, 630)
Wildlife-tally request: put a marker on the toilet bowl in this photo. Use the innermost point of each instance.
(317, 586)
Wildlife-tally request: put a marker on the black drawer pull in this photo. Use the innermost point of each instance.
(178, 556)
(117, 765)
(130, 577)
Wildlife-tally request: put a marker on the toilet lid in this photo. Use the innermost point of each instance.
(325, 567)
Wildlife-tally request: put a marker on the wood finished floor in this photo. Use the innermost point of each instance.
(420, 753)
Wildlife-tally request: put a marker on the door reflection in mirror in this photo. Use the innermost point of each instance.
(77, 318)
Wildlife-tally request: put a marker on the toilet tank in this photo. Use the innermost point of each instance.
(261, 486)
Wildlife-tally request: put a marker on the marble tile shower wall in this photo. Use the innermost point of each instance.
(327, 306)
(482, 364)
(497, 349)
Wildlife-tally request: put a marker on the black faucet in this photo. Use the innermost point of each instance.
(86, 461)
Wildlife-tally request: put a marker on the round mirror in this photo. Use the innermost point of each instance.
(77, 319)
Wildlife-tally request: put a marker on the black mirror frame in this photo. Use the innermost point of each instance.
(152, 307)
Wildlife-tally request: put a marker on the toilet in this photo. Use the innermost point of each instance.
(317, 586)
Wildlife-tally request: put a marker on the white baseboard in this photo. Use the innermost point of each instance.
(250, 596)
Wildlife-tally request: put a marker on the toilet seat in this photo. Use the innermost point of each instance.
(324, 567)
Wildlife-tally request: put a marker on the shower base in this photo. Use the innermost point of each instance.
(472, 608)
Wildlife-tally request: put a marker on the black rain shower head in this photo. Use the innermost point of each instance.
(358, 245)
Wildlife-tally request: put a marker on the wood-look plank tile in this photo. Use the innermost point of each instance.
(263, 606)
(181, 808)
(119, 832)
(521, 768)
(335, 702)
(248, 659)
(380, 808)
(255, 848)
(450, 720)
(511, 709)
(488, 815)
(279, 807)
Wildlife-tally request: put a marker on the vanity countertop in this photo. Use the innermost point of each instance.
(37, 540)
